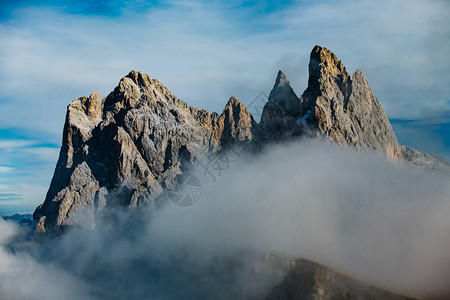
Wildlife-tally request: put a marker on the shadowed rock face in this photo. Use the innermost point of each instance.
(308, 280)
(281, 112)
(126, 149)
(283, 95)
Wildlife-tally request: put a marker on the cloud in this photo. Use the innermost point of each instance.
(383, 223)
(10, 196)
(5, 169)
(14, 143)
(436, 114)
(26, 166)
(206, 52)
(43, 154)
(23, 196)
(21, 276)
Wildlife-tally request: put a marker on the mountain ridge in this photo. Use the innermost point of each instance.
(307, 279)
(127, 148)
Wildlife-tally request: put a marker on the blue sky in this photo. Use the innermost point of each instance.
(204, 52)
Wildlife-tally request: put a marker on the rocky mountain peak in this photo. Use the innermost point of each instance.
(233, 102)
(134, 90)
(236, 124)
(235, 109)
(345, 108)
(283, 95)
(282, 109)
(326, 72)
(128, 148)
(281, 80)
(139, 78)
(334, 105)
(91, 106)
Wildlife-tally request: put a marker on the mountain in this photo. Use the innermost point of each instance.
(339, 106)
(309, 280)
(126, 149)
(280, 277)
(22, 219)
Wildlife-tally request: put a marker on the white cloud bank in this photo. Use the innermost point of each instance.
(383, 223)
(22, 277)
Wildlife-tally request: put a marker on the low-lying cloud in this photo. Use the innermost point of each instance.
(207, 51)
(354, 211)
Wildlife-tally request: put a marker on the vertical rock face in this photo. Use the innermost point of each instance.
(126, 149)
(345, 108)
(338, 106)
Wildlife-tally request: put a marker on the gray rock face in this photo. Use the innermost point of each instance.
(126, 149)
(283, 95)
(308, 280)
(282, 110)
(338, 106)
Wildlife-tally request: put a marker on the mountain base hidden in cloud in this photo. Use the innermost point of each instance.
(129, 147)
(144, 204)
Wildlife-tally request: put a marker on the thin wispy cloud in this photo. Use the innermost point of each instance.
(10, 196)
(206, 52)
(26, 167)
(13, 143)
(6, 169)
(42, 154)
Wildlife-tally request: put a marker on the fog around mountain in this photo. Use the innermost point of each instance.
(354, 211)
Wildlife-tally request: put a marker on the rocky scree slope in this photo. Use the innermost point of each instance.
(127, 148)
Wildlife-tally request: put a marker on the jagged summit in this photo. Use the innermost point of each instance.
(337, 106)
(236, 124)
(345, 109)
(233, 101)
(126, 149)
(283, 95)
(282, 110)
(281, 79)
(323, 66)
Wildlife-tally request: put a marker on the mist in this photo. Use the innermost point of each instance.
(381, 222)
